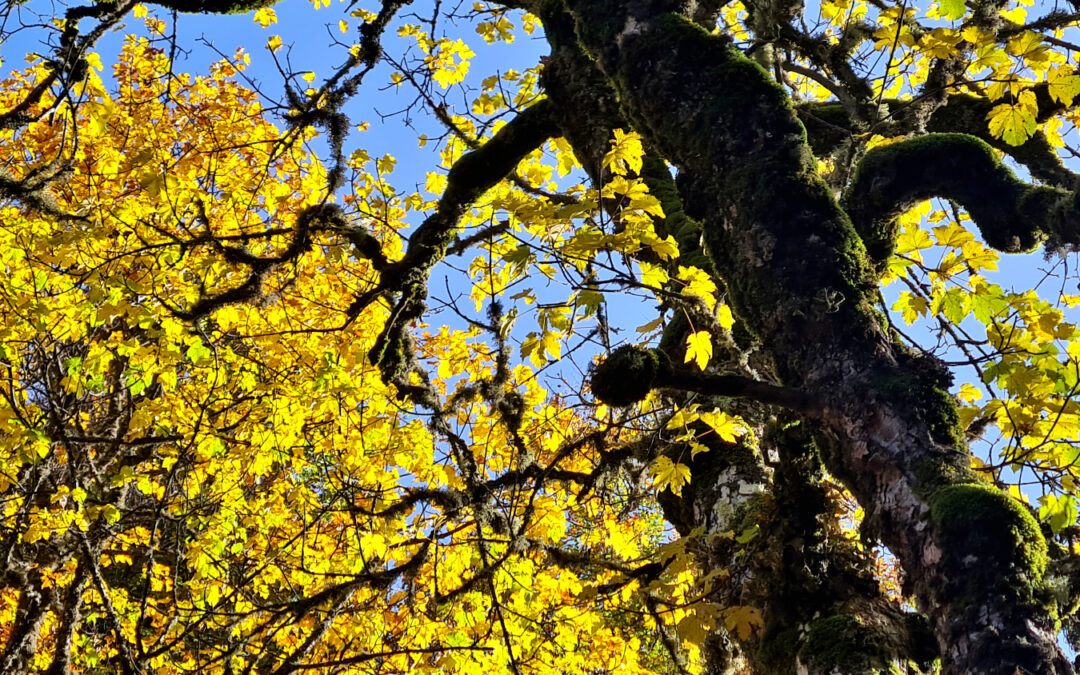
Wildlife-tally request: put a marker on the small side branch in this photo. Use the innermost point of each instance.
(630, 373)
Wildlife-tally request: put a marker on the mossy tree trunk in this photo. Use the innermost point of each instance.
(795, 572)
(799, 277)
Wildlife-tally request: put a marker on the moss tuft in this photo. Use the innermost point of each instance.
(778, 650)
(842, 644)
(922, 643)
(935, 472)
(628, 374)
(758, 510)
(392, 353)
(991, 543)
(924, 384)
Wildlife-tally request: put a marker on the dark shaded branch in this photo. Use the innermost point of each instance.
(736, 386)
(828, 126)
(470, 176)
(967, 114)
(630, 373)
(464, 244)
(586, 105)
(213, 6)
(1012, 215)
(312, 219)
(364, 658)
(1050, 21)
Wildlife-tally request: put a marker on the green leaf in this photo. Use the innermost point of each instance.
(954, 305)
(1013, 124)
(952, 9)
(748, 534)
(1060, 512)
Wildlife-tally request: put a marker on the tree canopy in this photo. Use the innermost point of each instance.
(682, 348)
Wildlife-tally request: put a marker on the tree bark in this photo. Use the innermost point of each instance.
(798, 276)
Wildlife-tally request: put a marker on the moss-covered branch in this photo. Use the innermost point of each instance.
(967, 114)
(629, 373)
(830, 614)
(212, 6)
(587, 108)
(1012, 215)
(829, 125)
(470, 176)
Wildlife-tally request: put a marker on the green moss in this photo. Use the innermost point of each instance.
(778, 650)
(944, 417)
(673, 340)
(392, 353)
(990, 542)
(731, 173)
(757, 510)
(827, 126)
(921, 642)
(842, 644)
(628, 374)
(934, 473)
(968, 113)
(685, 230)
(923, 384)
(1011, 214)
(770, 224)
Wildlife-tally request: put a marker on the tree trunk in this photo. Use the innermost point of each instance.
(798, 276)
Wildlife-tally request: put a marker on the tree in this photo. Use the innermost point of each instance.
(251, 424)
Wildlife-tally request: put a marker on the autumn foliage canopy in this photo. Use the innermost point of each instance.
(683, 348)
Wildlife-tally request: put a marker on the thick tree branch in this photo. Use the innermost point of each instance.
(828, 126)
(1012, 215)
(629, 373)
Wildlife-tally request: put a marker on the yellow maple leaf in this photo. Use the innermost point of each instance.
(653, 276)
(698, 349)
(682, 417)
(698, 284)
(669, 475)
(911, 306)
(666, 248)
(726, 427)
(1064, 84)
(625, 154)
(743, 621)
(724, 317)
(1014, 123)
(264, 17)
